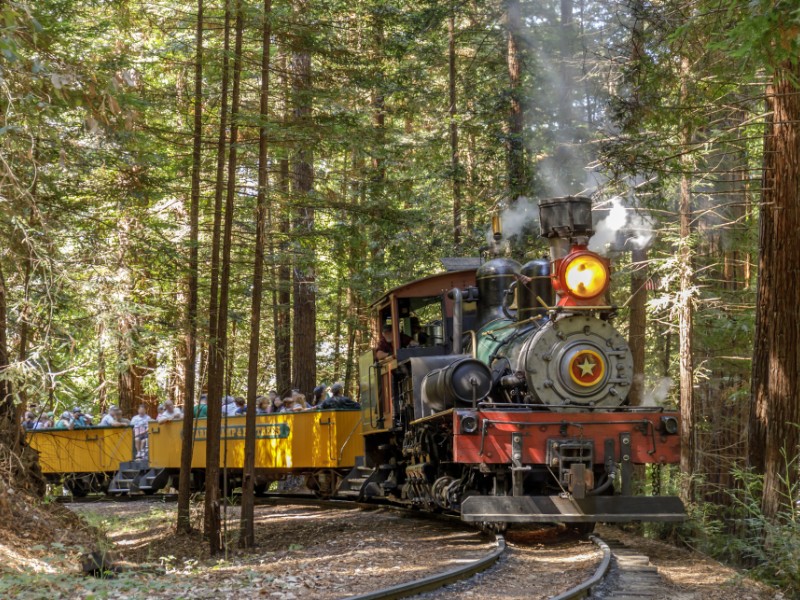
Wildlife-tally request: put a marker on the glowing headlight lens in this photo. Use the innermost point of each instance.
(586, 276)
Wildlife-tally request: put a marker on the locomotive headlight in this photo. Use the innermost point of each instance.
(669, 425)
(585, 276)
(469, 422)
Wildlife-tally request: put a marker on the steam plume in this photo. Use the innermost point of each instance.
(523, 214)
(634, 229)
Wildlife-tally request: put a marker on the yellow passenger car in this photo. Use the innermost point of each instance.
(83, 459)
(321, 445)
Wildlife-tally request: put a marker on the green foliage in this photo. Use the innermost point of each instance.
(740, 533)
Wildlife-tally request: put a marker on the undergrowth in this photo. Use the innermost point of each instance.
(739, 533)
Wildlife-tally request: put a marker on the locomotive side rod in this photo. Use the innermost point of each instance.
(436, 581)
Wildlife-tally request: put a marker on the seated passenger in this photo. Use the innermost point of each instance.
(262, 405)
(228, 406)
(339, 401)
(170, 413)
(298, 402)
(65, 422)
(385, 347)
(139, 422)
(241, 406)
(201, 410)
(277, 404)
(114, 418)
(45, 421)
(319, 395)
(80, 420)
(29, 422)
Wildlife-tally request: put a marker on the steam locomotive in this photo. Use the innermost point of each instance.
(515, 409)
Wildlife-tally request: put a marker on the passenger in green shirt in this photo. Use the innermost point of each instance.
(201, 410)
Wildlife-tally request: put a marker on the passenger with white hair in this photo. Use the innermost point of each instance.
(170, 413)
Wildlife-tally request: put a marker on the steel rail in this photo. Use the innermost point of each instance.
(584, 589)
(121, 498)
(438, 580)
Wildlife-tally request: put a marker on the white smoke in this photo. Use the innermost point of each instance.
(657, 395)
(524, 213)
(635, 227)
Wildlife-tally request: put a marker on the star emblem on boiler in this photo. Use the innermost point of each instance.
(587, 367)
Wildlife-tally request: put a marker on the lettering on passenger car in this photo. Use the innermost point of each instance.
(264, 431)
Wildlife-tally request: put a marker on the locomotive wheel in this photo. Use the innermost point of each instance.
(493, 527)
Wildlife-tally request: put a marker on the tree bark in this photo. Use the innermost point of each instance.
(225, 262)
(7, 411)
(637, 324)
(567, 81)
(184, 524)
(247, 539)
(283, 296)
(102, 385)
(686, 308)
(454, 156)
(304, 334)
(215, 358)
(281, 311)
(774, 435)
(517, 179)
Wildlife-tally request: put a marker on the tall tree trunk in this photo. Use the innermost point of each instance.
(454, 157)
(378, 108)
(215, 358)
(637, 324)
(7, 412)
(190, 370)
(774, 436)
(247, 539)
(304, 333)
(517, 179)
(282, 298)
(567, 83)
(102, 384)
(227, 243)
(473, 181)
(686, 307)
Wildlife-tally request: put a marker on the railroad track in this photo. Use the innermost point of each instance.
(623, 574)
(438, 580)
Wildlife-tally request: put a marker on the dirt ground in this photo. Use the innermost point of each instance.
(690, 575)
(311, 552)
(302, 552)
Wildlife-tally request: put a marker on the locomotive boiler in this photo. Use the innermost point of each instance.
(512, 406)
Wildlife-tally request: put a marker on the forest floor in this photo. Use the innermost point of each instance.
(311, 552)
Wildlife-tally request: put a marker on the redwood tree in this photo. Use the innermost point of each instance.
(774, 436)
(304, 331)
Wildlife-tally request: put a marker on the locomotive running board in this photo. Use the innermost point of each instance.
(549, 509)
